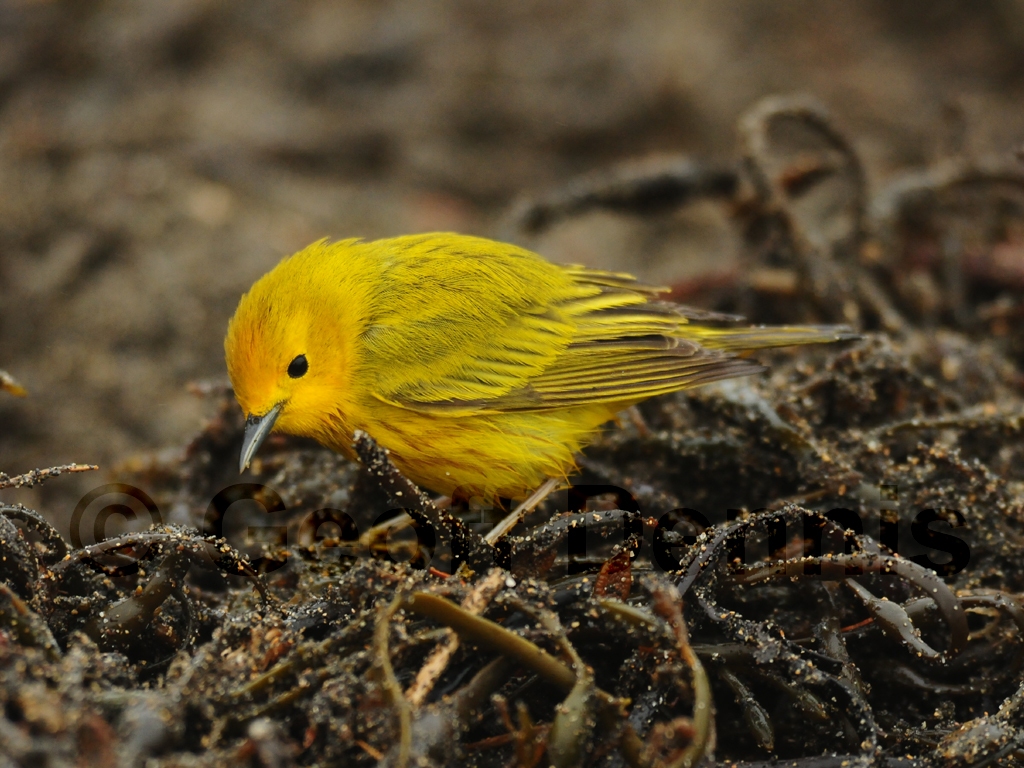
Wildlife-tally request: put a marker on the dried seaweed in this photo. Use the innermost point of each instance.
(816, 571)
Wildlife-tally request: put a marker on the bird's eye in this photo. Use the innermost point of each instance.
(297, 368)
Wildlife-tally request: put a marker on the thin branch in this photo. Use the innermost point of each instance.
(38, 476)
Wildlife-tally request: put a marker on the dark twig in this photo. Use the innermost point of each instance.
(37, 476)
(466, 545)
(636, 188)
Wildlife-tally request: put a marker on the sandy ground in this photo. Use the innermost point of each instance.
(156, 157)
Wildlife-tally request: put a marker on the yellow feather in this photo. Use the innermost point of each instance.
(479, 365)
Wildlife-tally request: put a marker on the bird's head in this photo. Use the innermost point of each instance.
(288, 356)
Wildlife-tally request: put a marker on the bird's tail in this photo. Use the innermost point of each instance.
(765, 336)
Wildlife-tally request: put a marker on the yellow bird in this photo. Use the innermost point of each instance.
(480, 366)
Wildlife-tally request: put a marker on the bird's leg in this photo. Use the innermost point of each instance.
(512, 519)
(634, 415)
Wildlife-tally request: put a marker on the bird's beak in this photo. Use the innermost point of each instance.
(256, 430)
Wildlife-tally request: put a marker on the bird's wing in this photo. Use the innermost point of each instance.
(459, 319)
(546, 338)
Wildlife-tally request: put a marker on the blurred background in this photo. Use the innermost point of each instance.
(157, 156)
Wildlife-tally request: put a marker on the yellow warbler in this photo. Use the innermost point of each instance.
(482, 367)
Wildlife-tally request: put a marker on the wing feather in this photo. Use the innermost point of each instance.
(548, 337)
